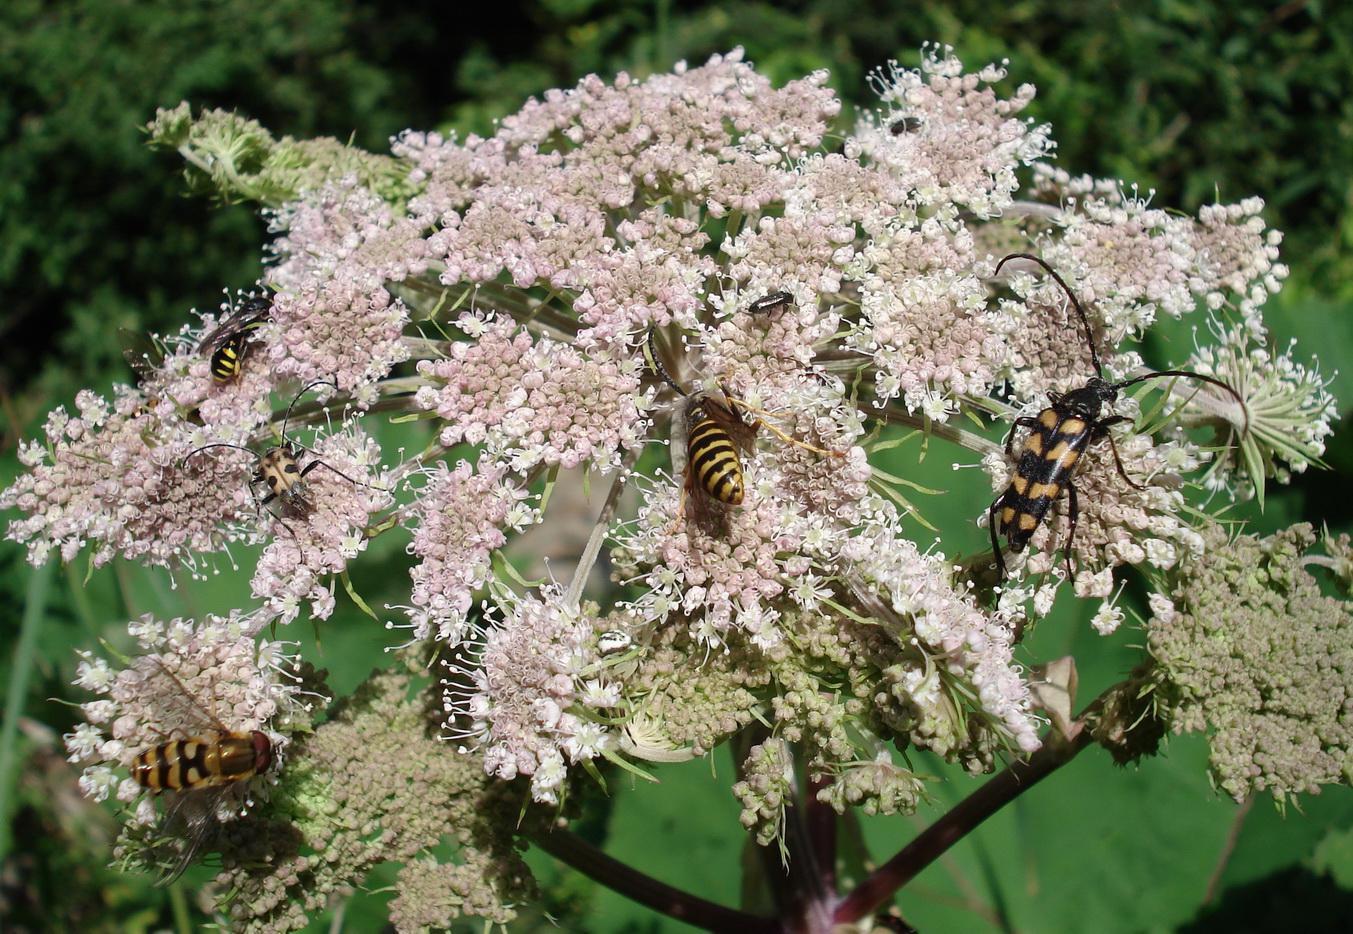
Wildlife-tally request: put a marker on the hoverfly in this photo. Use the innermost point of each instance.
(716, 435)
(198, 772)
(1059, 434)
(228, 342)
(905, 125)
(279, 470)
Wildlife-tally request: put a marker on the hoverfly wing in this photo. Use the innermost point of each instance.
(180, 710)
(185, 828)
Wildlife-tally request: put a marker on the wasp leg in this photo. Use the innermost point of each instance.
(681, 511)
(761, 422)
(795, 441)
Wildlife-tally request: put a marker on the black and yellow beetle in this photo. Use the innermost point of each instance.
(1058, 436)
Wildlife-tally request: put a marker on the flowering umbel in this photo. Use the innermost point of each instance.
(826, 296)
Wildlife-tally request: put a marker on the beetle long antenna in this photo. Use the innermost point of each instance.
(304, 389)
(319, 463)
(1075, 303)
(218, 444)
(655, 362)
(1244, 410)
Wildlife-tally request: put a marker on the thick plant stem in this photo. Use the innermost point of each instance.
(593, 863)
(798, 879)
(821, 821)
(1018, 778)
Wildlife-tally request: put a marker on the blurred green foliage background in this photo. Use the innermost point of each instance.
(1200, 101)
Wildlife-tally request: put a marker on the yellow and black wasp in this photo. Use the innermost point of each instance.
(279, 469)
(198, 771)
(1058, 436)
(717, 435)
(229, 342)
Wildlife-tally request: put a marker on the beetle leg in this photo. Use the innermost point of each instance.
(1024, 421)
(1073, 513)
(1102, 431)
(995, 541)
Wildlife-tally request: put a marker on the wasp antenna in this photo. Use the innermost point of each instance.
(1244, 410)
(1075, 302)
(655, 362)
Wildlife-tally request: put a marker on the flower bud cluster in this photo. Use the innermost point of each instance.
(369, 785)
(1247, 648)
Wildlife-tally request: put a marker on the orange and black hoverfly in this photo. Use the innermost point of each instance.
(198, 772)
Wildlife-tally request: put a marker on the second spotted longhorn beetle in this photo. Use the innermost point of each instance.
(279, 470)
(1059, 434)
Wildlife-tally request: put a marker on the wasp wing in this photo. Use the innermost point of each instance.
(249, 314)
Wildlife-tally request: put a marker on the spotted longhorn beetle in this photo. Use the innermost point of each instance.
(1058, 436)
(278, 470)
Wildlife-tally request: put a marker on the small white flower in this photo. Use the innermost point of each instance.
(549, 777)
(1162, 608)
(97, 783)
(1107, 618)
(93, 674)
(597, 693)
(83, 743)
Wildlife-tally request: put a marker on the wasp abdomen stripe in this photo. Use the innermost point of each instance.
(228, 359)
(714, 458)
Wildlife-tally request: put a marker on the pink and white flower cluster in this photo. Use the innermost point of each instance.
(523, 272)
